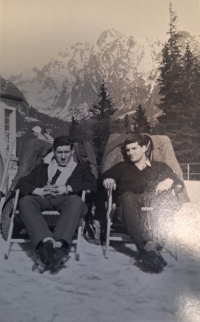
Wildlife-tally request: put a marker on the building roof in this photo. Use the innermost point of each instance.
(12, 97)
(9, 91)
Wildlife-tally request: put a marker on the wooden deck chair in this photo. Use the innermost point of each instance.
(50, 217)
(162, 151)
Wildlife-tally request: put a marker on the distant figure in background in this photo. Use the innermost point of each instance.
(37, 131)
(47, 135)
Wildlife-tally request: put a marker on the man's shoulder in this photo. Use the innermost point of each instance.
(159, 164)
(118, 164)
(121, 164)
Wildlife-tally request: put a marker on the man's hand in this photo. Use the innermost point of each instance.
(59, 190)
(53, 190)
(109, 184)
(45, 191)
(164, 185)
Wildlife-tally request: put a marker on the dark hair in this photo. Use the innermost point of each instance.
(61, 141)
(141, 139)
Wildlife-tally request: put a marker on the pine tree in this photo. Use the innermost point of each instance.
(191, 76)
(75, 131)
(191, 109)
(101, 112)
(179, 89)
(141, 123)
(170, 81)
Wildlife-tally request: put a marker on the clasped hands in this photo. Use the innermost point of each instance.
(52, 190)
(164, 185)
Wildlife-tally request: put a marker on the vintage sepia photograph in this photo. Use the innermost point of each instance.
(100, 160)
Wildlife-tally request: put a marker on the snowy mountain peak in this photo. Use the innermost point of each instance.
(107, 37)
(68, 84)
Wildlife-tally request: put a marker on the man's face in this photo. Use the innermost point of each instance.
(63, 154)
(135, 152)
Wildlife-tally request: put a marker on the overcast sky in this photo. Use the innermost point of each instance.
(34, 31)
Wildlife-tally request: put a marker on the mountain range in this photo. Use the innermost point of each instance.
(69, 83)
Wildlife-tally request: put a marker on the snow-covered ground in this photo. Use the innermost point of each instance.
(193, 189)
(108, 290)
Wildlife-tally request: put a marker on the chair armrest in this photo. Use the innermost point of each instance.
(177, 189)
(84, 192)
(16, 201)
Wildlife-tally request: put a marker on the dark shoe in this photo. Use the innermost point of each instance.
(152, 260)
(45, 251)
(50, 258)
(60, 257)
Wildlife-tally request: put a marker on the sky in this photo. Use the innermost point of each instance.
(34, 31)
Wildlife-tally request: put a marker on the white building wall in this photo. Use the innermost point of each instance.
(6, 104)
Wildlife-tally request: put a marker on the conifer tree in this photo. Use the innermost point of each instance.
(191, 77)
(101, 112)
(179, 89)
(141, 123)
(191, 109)
(170, 81)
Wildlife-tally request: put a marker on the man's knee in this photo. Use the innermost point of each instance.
(128, 197)
(75, 205)
(25, 200)
(165, 200)
(74, 200)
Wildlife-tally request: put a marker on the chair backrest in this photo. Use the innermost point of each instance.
(162, 151)
(33, 154)
(84, 152)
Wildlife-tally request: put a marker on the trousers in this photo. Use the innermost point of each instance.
(71, 209)
(145, 226)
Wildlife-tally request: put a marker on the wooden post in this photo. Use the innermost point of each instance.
(4, 176)
(188, 171)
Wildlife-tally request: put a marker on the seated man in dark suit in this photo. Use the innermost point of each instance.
(138, 182)
(55, 186)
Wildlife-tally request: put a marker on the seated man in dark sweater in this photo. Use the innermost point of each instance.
(55, 186)
(138, 182)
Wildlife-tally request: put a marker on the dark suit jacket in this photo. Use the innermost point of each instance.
(81, 179)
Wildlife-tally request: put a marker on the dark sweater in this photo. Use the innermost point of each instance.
(80, 179)
(129, 178)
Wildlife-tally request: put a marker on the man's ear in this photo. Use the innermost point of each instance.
(144, 148)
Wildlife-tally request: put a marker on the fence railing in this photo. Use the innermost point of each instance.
(191, 171)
